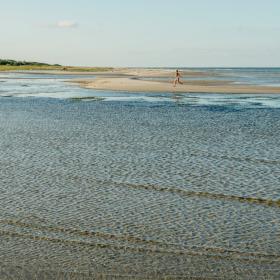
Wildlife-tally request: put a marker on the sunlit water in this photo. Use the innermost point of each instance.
(142, 185)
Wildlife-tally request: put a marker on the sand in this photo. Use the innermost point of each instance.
(133, 80)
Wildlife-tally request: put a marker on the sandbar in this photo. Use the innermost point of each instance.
(147, 80)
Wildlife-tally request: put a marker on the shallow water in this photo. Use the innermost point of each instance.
(57, 86)
(137, 185)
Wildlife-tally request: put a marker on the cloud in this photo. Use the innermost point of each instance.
(63, 24)
(66, 24)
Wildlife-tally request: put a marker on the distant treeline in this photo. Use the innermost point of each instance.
(19, 63)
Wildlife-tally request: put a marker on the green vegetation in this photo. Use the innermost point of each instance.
(12, 62)
(13, 65)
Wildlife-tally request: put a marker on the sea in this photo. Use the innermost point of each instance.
(117, 185)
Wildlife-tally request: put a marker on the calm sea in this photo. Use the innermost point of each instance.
(138, 185)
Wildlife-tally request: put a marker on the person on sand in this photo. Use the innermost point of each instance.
(177, 79)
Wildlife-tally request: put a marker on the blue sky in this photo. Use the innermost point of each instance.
(142, 32)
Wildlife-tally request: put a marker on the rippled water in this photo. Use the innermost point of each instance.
(146, 186)
(56, 86)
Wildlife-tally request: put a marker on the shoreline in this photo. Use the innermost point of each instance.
(135, 80)
(157, 80)
(137, 85)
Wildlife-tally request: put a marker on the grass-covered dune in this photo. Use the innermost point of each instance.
(13, 65)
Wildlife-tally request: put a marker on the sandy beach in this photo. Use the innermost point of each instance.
(140, 141)
(150, 80)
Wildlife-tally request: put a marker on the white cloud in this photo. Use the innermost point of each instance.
(59, 24)
(66, 24)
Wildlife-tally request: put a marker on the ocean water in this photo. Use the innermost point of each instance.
(140, 186)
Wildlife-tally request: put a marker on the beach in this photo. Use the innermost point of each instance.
(139, 140)
(106, 184)
(160, 80)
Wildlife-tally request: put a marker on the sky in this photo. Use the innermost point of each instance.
(142, 33)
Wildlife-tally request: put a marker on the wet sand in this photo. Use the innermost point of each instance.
(135, 80)
(134, 85)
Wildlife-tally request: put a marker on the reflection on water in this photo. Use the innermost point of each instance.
(138, 185)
